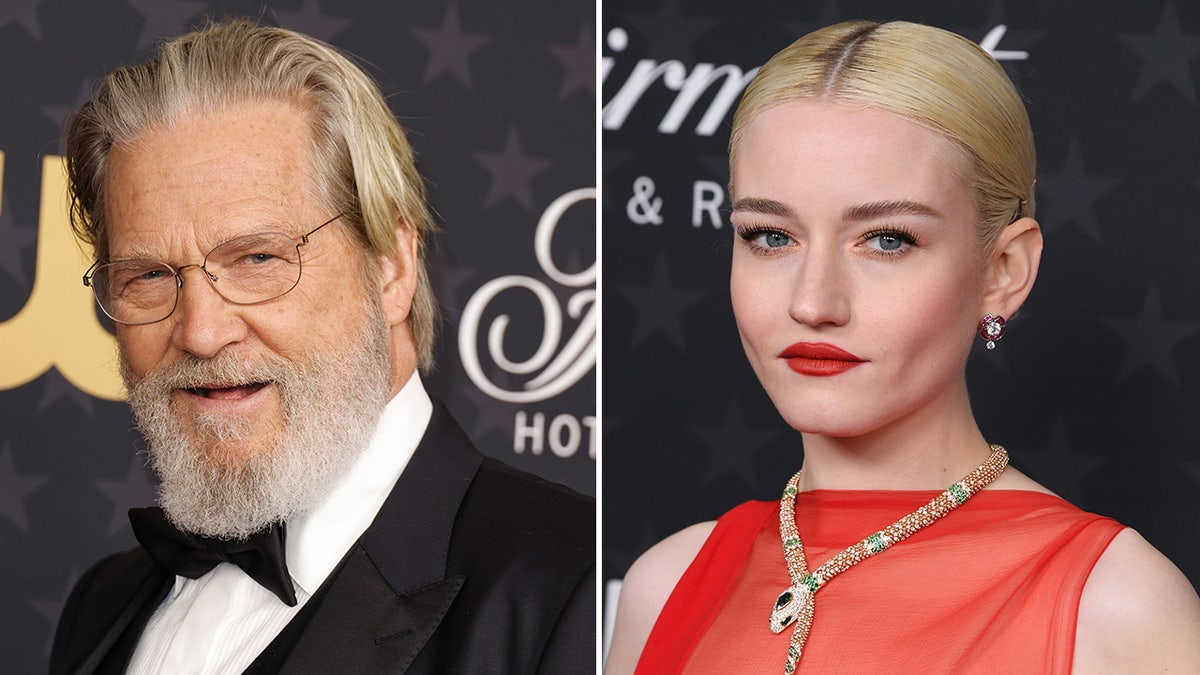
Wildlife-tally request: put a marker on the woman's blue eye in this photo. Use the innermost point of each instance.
(766, 239)
(763, 239)
(775, 239)
(889, 242)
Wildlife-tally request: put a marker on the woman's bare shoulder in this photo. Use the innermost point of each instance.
(645, 590)
(1012, 479)
(665, 562)
(1138, 613)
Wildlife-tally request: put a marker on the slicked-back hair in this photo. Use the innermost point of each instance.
(933, 78)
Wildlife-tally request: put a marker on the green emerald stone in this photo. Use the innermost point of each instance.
(789, 666)
(875, 543)
(960, 495)
(784, 598)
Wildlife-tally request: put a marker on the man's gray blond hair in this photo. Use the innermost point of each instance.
(363, 163)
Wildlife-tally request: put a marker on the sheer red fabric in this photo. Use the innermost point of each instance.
(993, 587)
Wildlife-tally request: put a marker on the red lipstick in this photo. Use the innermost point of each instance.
(819, 359)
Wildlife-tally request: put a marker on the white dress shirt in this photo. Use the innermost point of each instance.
(222, 621)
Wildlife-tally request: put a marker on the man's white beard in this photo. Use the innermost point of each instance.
(331, 403)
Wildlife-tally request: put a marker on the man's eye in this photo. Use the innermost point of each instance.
(152, 275)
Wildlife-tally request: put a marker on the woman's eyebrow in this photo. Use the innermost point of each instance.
(859, 212)
(767, 207)
(884, 209)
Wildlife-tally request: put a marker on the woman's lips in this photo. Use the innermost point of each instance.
(819, 359)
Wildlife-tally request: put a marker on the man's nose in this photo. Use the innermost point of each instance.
(205, 322)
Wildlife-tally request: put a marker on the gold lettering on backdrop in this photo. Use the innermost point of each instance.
(58, 327)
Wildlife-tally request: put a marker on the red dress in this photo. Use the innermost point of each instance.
(993, 587)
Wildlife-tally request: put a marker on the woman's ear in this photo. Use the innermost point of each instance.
(1013, 268)
(398, 275)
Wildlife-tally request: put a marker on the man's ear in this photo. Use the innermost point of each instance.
(1013, 267)
(398, 275)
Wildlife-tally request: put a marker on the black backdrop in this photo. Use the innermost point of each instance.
(500, 107)
(1094, 389)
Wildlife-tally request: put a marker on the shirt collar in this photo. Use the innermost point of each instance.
(319, 539)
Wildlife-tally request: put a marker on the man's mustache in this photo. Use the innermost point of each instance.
(221, 371)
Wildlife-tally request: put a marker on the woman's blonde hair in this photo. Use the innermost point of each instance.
(365, 168)
(932, 77)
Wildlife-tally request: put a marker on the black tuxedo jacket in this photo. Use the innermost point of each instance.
(470, 567)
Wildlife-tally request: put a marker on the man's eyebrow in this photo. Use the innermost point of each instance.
(135, 253)
(877, 210)
(767, 207)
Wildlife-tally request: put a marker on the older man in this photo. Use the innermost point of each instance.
(259, 229)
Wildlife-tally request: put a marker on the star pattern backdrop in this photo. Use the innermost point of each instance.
(499, 100)
(1094, 388)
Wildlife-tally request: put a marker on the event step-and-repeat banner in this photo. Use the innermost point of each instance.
(1096, 386)
(499, 101)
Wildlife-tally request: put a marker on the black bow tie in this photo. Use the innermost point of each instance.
(190, 555)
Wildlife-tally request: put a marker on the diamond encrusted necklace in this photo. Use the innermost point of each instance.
(795, 605)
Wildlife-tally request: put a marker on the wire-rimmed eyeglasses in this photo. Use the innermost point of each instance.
(245, 270)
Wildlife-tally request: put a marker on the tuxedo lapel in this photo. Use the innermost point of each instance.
(127, 588)
(363, 627)
(391, 592)
(409, 541)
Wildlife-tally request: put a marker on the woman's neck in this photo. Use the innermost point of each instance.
(919, 452)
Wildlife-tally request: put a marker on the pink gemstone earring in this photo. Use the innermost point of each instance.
(991, 328)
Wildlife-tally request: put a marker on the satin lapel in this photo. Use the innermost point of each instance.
(125, 587)
(392, 591)
(363, 627)
(409, 541)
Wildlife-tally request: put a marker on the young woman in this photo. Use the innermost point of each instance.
(883, 193)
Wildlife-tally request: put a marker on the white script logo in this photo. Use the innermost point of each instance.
(558, 369)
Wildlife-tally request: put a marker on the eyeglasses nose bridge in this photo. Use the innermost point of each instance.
(212, 278)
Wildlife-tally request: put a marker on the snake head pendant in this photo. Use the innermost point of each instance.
(787, 607)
